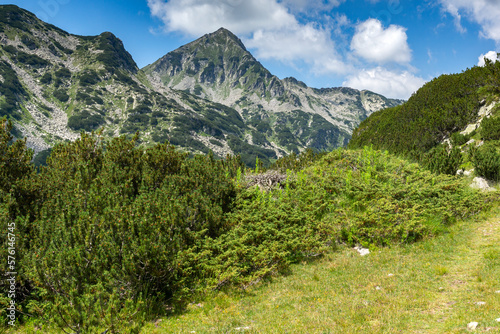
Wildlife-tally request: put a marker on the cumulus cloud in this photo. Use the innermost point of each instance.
(376, 44)
(266, 26)
(388, 83)
(198, 17)
(484, 12)
(491, 55)
(298, 42)
(307, 5)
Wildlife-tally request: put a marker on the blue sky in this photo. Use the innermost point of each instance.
(391, 47)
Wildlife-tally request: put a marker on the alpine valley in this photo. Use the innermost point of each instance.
(208, 95)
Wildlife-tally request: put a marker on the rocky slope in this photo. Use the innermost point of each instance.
(208, 95)
(218, 67)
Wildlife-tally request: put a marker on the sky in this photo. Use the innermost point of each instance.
(391, 47)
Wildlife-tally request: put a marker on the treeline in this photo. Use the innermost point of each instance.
(109, 235)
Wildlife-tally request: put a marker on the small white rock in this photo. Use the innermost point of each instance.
(241, 328)
(498, 291)
(362, 251)
(497, 320)
(481, 303)
(472, 325)
(390, 275)
(469, 172)
(482, 184)
(470, 141)
(378, 288)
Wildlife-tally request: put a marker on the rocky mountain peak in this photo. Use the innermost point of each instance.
(113, 54)
(223, 37)
(214, 62)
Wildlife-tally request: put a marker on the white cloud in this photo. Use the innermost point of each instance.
(298, 43)
(307, 5)
(376, 44)
(388, 83)
(491, 55)
(484, 12)
(199, 17)
(453, 11)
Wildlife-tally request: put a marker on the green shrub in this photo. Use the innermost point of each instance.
(486, 161)
(138, 118)
(63, 73)
(438, 108)
(61, 95)
(90, 77)
(18, 191)
(459, 139)
(216, 142)
(85, 121)
(32, 60)
(41, 158)
(12, 91)
(46, 78)
(490, 128)
(134, 223)
(443, 160)
(30, 43)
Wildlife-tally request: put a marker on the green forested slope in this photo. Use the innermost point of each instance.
(440, 108)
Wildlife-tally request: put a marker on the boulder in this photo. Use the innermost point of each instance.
(482, 184)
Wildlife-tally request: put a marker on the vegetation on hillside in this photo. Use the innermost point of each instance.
(440, 110)
(109, 235)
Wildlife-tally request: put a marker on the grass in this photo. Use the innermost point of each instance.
(434, 286)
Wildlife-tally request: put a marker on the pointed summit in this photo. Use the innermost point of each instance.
(222, 35)
(213, 60)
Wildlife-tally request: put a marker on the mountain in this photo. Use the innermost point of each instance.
(218, 67)
(211, 94)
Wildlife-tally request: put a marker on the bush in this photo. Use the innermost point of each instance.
(459, 139)
(85, 121)
(443, 160)
(490, 128)
(486, 161)
(437, 109)
(88, 78)
(46, 78)
(134, 223)
(63, 73)
(18, 189)
(32, 60)
(41, 158)
(61, 95)
(12, 91)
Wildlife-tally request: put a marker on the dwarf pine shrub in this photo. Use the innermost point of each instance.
(486, 161)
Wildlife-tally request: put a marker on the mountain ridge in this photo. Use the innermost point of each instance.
(210, 94)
